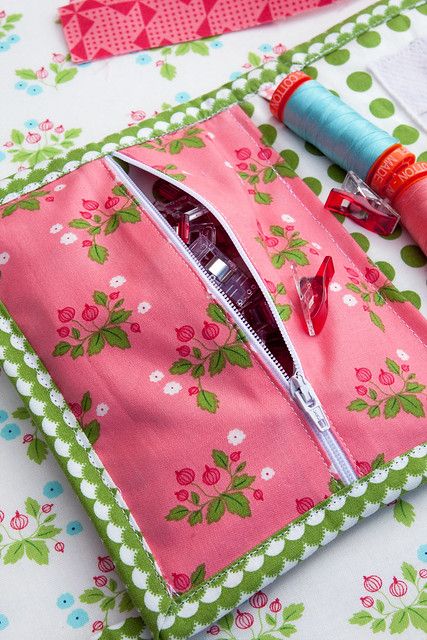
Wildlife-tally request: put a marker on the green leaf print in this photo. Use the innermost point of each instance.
(220, 458)
(105, 325)
(220, 344)
(390, 395)
(215, 511)
(28, 534)
(404, 512)
(223, 490)
(393, 610)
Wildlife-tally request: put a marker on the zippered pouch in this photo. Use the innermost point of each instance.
(220, 462)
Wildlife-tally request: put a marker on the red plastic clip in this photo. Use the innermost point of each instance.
(313, 293)
(362, 205)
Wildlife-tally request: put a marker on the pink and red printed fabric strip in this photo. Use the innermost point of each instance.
(97, 29)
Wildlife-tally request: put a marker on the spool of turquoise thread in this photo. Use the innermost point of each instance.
(324, 120)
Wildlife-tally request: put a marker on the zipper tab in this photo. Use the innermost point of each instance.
(304, 395)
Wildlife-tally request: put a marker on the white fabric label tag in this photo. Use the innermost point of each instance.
(404, 75)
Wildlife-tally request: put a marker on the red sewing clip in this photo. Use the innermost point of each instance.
(357, 201)
(313, 293)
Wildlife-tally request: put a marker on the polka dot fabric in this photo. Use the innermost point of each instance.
(112, 27)
(349, 72)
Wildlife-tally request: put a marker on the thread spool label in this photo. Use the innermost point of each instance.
(392, 161)
(404, 177)
(284, 90)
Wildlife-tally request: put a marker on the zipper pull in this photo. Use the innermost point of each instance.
(303, 393)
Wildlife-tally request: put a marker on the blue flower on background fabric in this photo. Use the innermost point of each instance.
(52, 489)
(31, 124)
(422, 553)
(65, 601)
(182, 96)
(13, 38)
(4, 622)
(2, 155)
(265, 48)
(235, 75)
(4, 46)
(77, 618)
(10, 431)
(74, 528)
(20, 85)
(34, 90)
(3, 415)
(143, 58)
(216, 45)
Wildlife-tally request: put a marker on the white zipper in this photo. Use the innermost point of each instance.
(297, 385)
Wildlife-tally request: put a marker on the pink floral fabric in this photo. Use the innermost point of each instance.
(111, 307)
(115, 321)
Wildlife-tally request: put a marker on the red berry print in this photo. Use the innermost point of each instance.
(19, 521)
(363, 468)
(218, 346)
(90, 205)
(372, 583)
(66, 314)
(100, 581)
(181, 582)
(397, 391)
(258, 600)
(230, 495)
(244, 620)
(210, 331)
(211, 475)
(367, 601)
(386, 378)
(398, 588)
(304, 504)
(243, 153)
(105, 564)
(184, 350)
(185, 333)
(275, 606)
(185, 476)
(363, 374)
(90, 313)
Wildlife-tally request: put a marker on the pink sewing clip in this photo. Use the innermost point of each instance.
(362, 205)
(313, 294)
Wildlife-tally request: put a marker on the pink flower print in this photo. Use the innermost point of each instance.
(33, 137)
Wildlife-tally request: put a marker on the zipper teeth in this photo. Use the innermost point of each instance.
(267, 357)
(328, 440)
(285, 336)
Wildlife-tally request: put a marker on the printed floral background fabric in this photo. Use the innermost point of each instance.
(57, 578)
